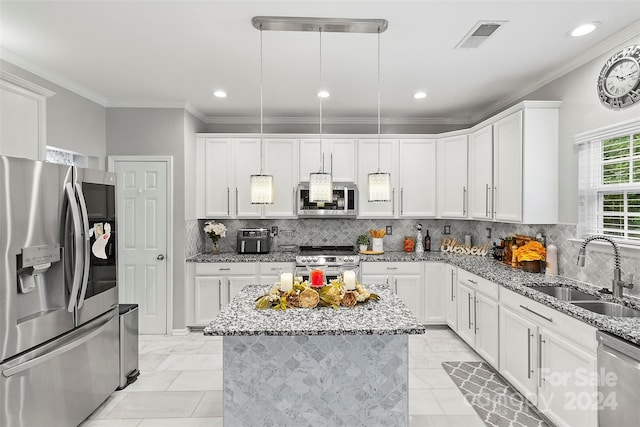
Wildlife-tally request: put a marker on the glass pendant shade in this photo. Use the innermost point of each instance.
(261, 189)
(320, 187)
(380, 187)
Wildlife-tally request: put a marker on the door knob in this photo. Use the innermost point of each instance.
(160, 257)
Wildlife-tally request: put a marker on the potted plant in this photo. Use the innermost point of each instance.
(363, 242)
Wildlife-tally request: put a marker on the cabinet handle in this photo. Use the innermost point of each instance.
(224, 268)
(236, 201)
(452, 291)
(549, 319)
(346, 198)
(219, 295)
(472, 281)
(495, 201)
(331, 165)
(228, 202)
(464, 201)
(470, 324)
(529, 336)
(393, 202)
(275, 268)
(228, 291)
(395, 283)
(392, 268)
(402, 201)
(475, 313)
(540, 342)
(486, 201)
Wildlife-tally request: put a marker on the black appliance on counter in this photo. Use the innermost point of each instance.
(253, 241)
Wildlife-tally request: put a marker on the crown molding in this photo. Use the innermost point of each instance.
(25, 84)
(63, 82)
(313, 120)
(613, 41)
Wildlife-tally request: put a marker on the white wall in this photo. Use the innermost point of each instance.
(581, 111)
(74, 123)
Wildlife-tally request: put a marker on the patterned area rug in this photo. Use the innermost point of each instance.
(497, 403)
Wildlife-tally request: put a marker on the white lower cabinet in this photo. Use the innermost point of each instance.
(450, 289)
(405, 278)
(550, 358)
(434, 294)
(215, 285)
(478, 315)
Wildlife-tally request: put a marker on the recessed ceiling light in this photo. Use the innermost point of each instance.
(220, 94)
(584, 29)
(420, 95)
(323, 94)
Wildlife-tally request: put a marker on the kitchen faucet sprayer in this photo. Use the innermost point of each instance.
(617, 284)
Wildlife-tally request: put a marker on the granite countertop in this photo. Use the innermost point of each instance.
(513, 279)
(387, 316)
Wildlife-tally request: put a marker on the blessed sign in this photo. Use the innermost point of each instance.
(452, 246)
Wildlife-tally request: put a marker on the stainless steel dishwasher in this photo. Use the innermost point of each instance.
(618, 382)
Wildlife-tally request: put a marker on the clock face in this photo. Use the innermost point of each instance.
(619, 80)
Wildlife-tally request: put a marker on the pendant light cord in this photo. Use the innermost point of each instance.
(320, 88)
(261, 103)
(378, 99)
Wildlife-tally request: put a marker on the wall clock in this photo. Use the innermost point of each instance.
(619, 79)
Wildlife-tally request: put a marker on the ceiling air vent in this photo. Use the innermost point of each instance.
(479, 33)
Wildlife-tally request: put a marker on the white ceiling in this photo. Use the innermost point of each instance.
(175, 53)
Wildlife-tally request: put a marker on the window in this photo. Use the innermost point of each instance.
(609, 183)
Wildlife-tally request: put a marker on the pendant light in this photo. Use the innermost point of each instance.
(379, 182)
(261, 184)
(320, 183)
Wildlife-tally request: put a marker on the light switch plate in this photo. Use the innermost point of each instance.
(389, 230)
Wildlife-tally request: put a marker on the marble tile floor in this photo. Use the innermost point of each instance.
(180, 384)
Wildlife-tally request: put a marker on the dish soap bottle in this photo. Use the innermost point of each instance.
(427, 242)
(419, 244)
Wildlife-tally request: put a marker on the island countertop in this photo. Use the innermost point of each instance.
(387, 316)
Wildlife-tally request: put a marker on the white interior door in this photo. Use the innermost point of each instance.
(142, 247)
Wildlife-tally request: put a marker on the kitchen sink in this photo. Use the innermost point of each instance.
(608, 308)
(565, 293)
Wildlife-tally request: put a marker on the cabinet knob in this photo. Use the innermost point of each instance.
(160, 257)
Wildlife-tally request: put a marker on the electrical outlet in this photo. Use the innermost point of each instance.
(389, 230)
(487, 234)
(447, 229)
(274, 230)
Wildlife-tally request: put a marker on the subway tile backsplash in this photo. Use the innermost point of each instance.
(598, 270)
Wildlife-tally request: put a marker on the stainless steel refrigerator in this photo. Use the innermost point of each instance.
(58, 292)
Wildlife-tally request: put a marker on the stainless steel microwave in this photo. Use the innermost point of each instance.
(344, 203)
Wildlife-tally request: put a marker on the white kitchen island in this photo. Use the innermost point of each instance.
(315, 367)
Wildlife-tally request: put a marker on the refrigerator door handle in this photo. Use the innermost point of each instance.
(79, 245)
(60, 349)
(87, 248)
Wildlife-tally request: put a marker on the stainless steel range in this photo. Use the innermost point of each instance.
(332, 259)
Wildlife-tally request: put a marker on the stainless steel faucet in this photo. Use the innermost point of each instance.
(617, 284)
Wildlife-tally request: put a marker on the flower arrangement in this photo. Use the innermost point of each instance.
(303, 296)
(215, 231)
(531, 251)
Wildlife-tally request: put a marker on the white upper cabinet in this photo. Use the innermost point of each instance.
(23, 117)
(281, 161)
(507, 168)
(246, 163)
(481, 173)
(223, 177)
(523, 186)
(213, 177)
(417, 176)
(368, 163)
(452, 177)
(338, 157)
